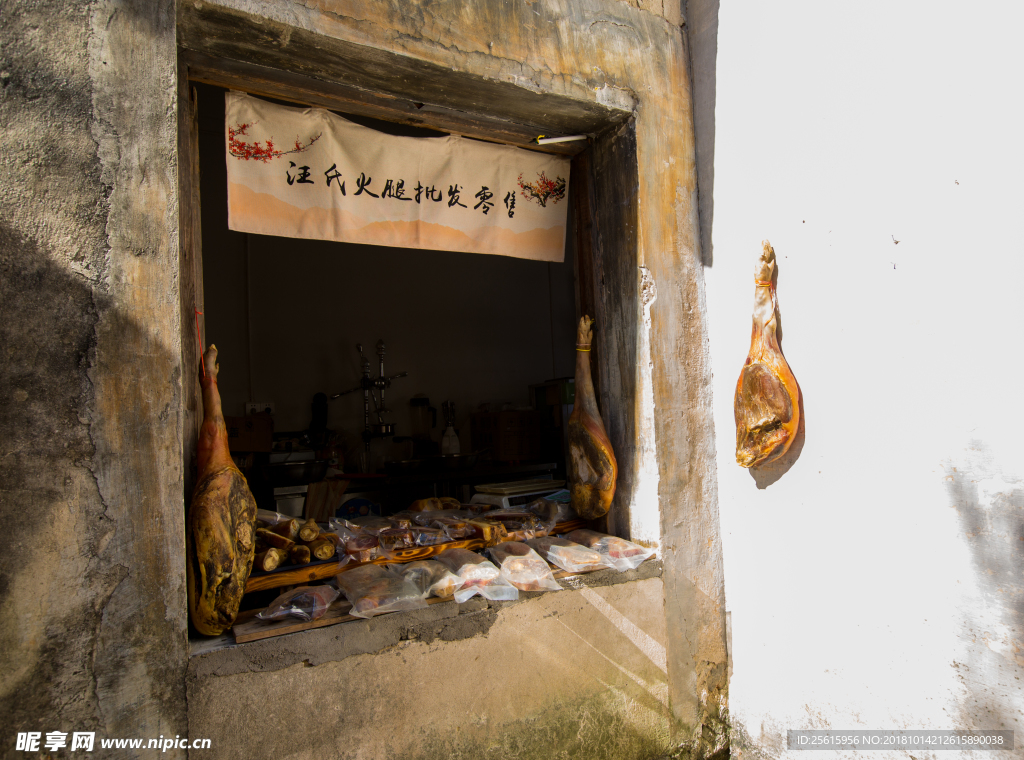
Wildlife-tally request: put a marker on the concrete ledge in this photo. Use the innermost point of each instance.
(446, 622)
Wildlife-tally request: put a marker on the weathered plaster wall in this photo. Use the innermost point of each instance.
(569, 674)
(878, 583)
(601, 55)
(93, 606)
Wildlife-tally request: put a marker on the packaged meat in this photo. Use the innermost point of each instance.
(519, 523)
(393, 539)
(426, 518)
(372, 524)
(429, 536)
(374, 590)
(305, 602)
(430, 577)
(401, 520)
(334, 523)
(617, 553)
(454, 528)
(492, 532)
(568, 555)
(523, 567)
(361, 547)
(478, 575)
(552, 512)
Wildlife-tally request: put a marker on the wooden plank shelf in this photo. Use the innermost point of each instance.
(250, 628)
(290, 576)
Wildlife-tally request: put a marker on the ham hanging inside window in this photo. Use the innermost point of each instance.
(221, 528)
(767, 401)
(592, 466)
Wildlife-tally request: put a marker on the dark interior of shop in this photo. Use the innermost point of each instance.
(484, 342)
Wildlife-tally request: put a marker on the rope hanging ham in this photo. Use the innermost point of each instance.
(592, 466)
(221, 520)
(767, 401)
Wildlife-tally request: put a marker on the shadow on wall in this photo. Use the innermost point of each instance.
(88, 640)
(990, 513)
(702, 36)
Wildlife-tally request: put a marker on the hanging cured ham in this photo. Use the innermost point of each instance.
(767, 398)
(592, 465)
(221, 520)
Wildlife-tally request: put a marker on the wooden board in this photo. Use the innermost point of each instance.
(519, 487)
(253, 629)
(308, 573)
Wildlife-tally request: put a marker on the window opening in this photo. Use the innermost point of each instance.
(486, 342)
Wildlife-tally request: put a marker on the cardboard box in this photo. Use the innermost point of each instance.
(254, 432)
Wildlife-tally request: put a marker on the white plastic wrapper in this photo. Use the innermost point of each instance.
(617, 552)
(570, 556)
(306, 603)
(374, 590)
(478, 575)
(430, 577)
(523, 567)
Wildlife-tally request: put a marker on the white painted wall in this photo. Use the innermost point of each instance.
(878, 583)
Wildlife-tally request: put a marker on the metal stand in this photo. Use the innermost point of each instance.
(379, 429)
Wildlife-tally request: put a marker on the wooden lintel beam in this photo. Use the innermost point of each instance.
(309, 91)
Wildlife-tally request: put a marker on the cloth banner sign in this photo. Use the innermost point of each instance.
(309, 173)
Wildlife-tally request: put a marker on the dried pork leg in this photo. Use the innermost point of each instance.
(592, 465)
(221, 521)
(767, 397)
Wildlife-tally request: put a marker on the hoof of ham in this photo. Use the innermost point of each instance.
(221, 521)
(592, 466)
(767, 401)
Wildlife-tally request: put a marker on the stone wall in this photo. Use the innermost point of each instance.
(93, 633)
(91, 400)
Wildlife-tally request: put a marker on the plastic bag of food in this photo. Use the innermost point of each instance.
(455, 528)
(429, 536)
(430, 577)
(426, 518)
(372, 524)
(393, 539)
(552, 512)
(305, 602)
(570, 556)
(360, 546)
(403, 519)
(519, 523)
(478, 575)
(617, 552)
(523, 567)
(374, 590)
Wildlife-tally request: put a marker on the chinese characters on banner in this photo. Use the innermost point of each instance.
(308, 173)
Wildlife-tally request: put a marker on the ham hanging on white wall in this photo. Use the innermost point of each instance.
(767, 400)
(309, 173)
